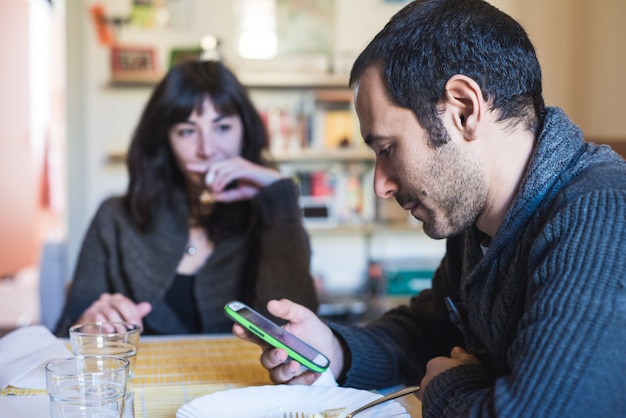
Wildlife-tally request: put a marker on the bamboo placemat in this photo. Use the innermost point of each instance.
(170, 373)
(13, 391)
(199, 361)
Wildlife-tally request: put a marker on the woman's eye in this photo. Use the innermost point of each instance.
(185, 132)
(222, 128)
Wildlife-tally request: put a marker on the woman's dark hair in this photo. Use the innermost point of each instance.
(429, 41)
(154, 175)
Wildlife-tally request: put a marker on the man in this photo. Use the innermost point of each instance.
(448, 96)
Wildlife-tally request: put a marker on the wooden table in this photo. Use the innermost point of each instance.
(173, 370)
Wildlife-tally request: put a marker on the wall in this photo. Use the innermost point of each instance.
(579, 43)
(601, 36)
(30, 162)
(19, 199)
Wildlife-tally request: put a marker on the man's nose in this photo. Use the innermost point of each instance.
(385, 185)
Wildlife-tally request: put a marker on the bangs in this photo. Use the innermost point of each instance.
(188, 94)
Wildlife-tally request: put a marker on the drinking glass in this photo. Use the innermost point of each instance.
(87, 386)
(111, 339)
(106, 339)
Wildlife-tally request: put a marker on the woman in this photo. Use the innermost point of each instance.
(206, 219)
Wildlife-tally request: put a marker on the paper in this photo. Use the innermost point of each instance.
(24, 354)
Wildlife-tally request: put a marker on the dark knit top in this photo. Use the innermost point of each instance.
(270, 259)
(546, 303)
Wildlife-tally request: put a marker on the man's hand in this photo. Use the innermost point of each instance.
(437, 365)
(305, 325)
(116, 308)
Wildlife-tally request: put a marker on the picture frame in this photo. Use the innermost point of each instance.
(134, 64)
(180, 55)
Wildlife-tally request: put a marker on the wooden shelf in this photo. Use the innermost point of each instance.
(253, 80)
(290, 80)
(338, 155)
(135, 80)
(323, 155)
(115, 157)
(361, 228)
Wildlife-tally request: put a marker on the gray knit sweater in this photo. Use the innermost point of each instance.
(546, 304)
(269, 260)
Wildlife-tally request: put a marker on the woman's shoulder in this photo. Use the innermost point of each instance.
(112, 210)
(110, 205)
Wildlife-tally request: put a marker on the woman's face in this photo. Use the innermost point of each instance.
(205, 138)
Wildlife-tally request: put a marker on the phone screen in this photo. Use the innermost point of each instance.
(279, 337)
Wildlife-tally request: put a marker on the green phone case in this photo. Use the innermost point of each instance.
(275, 342)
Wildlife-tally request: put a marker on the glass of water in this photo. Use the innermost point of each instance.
(87, 386)
(119, 339)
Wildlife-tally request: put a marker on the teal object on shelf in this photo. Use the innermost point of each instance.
(408, 282)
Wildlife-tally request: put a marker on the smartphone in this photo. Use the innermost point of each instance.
(276, 336)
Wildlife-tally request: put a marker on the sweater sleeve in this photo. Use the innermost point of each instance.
(89, 280)
(566, 349)
(284, 248)
(395, 348)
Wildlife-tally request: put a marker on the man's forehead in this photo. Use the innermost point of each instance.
(370, 78)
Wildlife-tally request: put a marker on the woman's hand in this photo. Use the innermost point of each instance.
(116, 308)
(249, 177)
(305, 325)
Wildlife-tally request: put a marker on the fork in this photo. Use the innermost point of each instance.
(393, 395)
(388, 397)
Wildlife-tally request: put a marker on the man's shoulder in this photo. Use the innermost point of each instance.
(603, 170)
(599, 187)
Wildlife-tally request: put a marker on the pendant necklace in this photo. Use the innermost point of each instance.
(194, 240)
(191, 249)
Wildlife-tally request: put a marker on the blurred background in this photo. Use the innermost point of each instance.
(77, 73)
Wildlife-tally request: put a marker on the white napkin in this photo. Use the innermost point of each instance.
(24, 354)
(326, 379)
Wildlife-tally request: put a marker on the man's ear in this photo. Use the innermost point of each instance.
(466, 105)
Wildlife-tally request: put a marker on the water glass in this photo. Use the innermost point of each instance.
(106, 339)
(87, 386)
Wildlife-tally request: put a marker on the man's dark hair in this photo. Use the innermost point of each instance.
(429, 41)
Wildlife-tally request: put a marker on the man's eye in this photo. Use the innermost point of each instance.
(383, 152)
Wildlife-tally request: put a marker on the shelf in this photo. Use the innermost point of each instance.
(254, 80)
(115, 157)
(291, 80)
(317, 227)
(339, 155)
(135, 80)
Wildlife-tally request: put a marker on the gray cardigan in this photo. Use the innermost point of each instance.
(545, 305)
(269, 260)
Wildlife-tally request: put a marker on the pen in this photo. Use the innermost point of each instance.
(457, 319)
